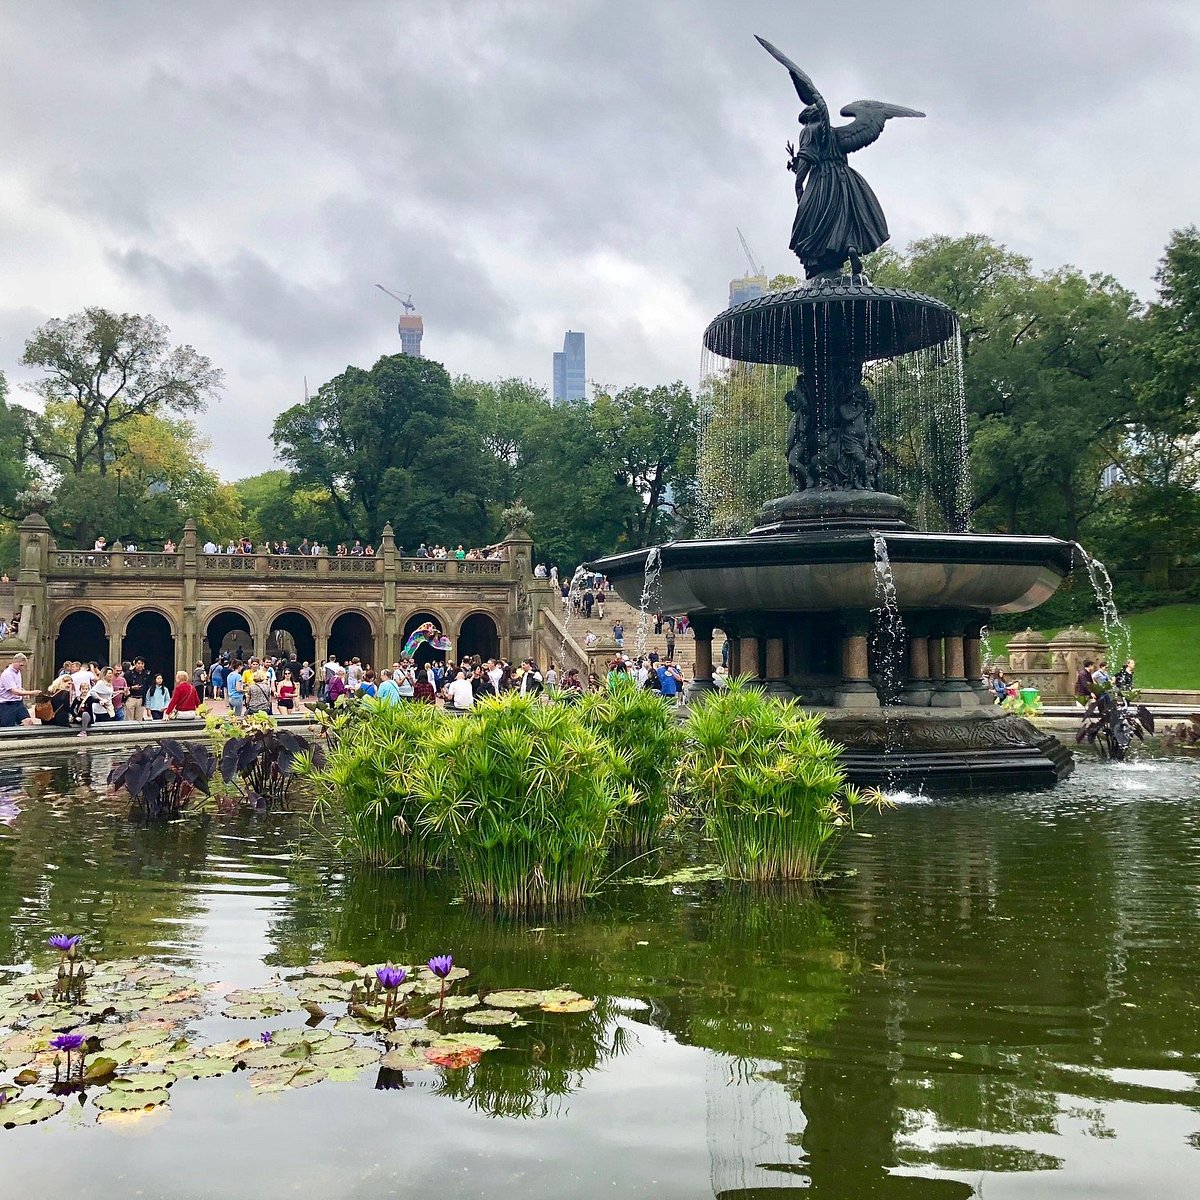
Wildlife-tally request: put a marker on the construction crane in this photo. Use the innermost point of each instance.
(755, 268)
(409, 306)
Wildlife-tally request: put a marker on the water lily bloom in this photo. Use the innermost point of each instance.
(67, 1042)
(265, 1037)
(390, 978)
(60, 941)
(441, 965)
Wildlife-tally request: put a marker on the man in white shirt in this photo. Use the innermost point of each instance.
(210, 547)
(462, 695)
(531, 678)
(494, 672)
(81, 675)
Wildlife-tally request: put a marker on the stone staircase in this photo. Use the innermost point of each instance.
(614, 608)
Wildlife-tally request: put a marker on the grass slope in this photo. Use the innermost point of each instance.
(1166, 645)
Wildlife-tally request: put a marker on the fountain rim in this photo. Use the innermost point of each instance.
(821, 292)
(815, 547)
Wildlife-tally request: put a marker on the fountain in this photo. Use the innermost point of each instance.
(797, 595)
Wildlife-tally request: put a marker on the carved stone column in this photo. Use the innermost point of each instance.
(855, 690)
(702, 672)
(777, 684)
(747, 656)
(918, 688)
(953, 690)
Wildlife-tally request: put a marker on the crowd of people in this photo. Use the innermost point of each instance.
(312, 546)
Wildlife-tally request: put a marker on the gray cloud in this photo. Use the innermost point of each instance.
(248, 172)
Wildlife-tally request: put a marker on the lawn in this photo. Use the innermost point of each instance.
(1166, 645)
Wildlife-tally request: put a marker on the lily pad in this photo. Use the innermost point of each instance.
(355, 1025)
(280, 1079)
(202, 1068)
(406, 1060)
(331, 1043)
(288, 1037)
(481, 1041)
(454, 1059)
(265, 1056)
(514, 998)
(346, 1065)
(457, 1003)
(559, 996)
(145, 1081)
(233, 1050)
(570, 1006)
(26, 1077)
(410, 1036)
(121, 1100)
(97, 1068)
(490, 1016)
(333, 968)
(29, 1112)
(255, 1011)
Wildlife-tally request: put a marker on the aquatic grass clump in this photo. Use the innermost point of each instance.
(643, 732)
(367, 782)
(522, 797)
(770, 787)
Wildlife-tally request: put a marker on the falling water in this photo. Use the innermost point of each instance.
(985, 645)
(1116, 633)
(650, 598)
(890, 635)
(574, 590)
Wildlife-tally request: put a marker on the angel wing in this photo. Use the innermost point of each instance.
(869, 118)
(805, 88)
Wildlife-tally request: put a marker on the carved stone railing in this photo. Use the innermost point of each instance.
(76, 560)
(139, 560)
(73, 564)
(353, 565)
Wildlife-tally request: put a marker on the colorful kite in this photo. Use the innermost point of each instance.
(427, 633)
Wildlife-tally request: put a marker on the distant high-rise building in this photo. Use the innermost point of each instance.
(570, 376)
(749, 287)
(411, 327)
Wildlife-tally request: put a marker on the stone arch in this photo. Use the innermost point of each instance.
(424, 653)
(352, 634)
(81, 634)
(220, 624)
(298, 634)
(149, 634)
(478, 633)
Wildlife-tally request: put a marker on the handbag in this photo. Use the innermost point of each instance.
(44, 711)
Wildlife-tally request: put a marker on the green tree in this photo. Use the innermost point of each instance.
(649, 439)
(278, 509)
(102, 371)
(395, 443)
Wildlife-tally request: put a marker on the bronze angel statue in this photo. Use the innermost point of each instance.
(837, 214)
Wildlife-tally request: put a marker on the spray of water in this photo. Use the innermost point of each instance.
(574, 591)
(650, 593)
(890, 634)
(1116, 633)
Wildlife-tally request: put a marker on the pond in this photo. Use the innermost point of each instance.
(996, 996)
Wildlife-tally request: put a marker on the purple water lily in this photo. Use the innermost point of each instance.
(441, 965)
(390, 978)
(63, 942)
(3, 1098)
(265, 1037)
(67, 1042)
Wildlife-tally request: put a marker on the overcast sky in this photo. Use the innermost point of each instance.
(247, 170)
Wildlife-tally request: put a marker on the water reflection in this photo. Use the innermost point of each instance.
(996, 986)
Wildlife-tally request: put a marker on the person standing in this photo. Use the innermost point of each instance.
(671, 640)
(619, 633)
(286, 693)
(157, 698)
(388, 692)
(258, 694)
(120, 692)
(1124, 677)
(1083, 681)
(235, 689)
(307, 674)
(200, 680)
(13, 710)
(138, 679)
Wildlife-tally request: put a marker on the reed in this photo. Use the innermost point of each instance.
(368, 780)
(646, 739)
(521, 796)
(770, 787)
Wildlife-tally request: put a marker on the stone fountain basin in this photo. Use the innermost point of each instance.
(820, 571)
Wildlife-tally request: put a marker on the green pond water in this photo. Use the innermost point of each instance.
(998, 996)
